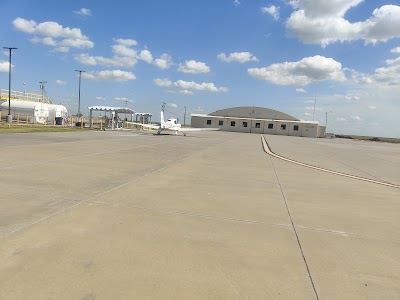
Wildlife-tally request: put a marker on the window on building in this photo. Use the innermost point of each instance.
(258, 125)
(283, 126)
(233, 123)
(296, 127)
(244, 124)
(270, 126)
(220, 123)
(208, 122)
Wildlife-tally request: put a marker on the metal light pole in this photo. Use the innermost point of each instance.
(9, 117)
(326, 121)
(79, 93)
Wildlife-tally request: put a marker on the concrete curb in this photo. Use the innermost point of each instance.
(268, 150)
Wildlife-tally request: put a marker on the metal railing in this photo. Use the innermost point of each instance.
(23, 96)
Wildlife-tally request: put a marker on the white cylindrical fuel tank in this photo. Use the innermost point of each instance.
(37, 110)
(57, 111)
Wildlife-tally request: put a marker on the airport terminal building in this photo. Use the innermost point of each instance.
(252, 119)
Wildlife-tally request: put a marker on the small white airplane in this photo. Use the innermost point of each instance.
(172, 125)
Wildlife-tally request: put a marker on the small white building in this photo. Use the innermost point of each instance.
(252, 119)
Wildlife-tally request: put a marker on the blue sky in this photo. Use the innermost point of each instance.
(208, 55)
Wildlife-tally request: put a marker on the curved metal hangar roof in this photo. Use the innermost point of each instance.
(253, 112)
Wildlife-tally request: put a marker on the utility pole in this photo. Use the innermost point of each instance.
(184, 117)
(9, 117)
(79, 92)
(42, 87)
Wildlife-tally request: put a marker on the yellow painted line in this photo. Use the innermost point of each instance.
(268, 150)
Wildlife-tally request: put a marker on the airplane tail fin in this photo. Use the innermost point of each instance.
(162, 118)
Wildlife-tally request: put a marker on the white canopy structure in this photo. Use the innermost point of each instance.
(114, 111)
(144, 118)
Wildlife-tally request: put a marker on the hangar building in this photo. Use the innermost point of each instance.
(253, 119)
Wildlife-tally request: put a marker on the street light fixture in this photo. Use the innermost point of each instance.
(79, 93)
(9, 117)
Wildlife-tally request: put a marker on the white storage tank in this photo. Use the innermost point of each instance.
(57, 111)
(37, 112)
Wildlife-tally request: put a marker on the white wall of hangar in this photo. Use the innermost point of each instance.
(264, 126)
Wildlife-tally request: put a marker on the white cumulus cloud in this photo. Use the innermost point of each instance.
(395, 50)
(186, 92)
(55, 35)
(146, 56)
(109, 75)
(240, 57)
(123, 50)
(272, 10)
(86, 12)
(127, 42)
(308, 70)
(193, 67)
(61, 82)
(115, 61)
(188, 86)
(100, 98)
(163, 62)
(323, 22)
(163, 82)
(125, 56)
(387, 76)
(301, 90)
(173, 105)
(4, 66)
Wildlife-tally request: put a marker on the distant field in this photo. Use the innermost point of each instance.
(368, 138)
(5, 128)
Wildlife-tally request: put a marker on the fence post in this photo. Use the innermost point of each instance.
(17, 118)
(81, 122)
(26, 121)
(101, 124)
(71, 121)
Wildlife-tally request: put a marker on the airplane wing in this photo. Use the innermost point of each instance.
(144, 125)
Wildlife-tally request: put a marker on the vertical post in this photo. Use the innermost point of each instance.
(326, 121)
(26, 119)
(79, 92)
(9, 117)
(101, 124)
(81, 122)
(184, 117)
(17, 118)
(91, 118)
